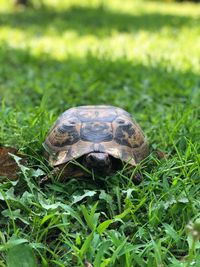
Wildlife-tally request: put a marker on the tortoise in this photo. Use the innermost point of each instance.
(100, 138)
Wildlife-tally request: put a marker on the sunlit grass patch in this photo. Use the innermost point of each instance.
(134, 31)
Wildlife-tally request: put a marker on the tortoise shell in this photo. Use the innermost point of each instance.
(85, 129)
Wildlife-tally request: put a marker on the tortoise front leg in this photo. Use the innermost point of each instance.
(54, 172)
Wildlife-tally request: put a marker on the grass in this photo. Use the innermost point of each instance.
(141, 56)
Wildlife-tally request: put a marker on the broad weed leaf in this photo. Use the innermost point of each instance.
(86, 194)
(21, 256)
(12, 243)
(103, 226)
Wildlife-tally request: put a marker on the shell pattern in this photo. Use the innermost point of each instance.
(81, 130)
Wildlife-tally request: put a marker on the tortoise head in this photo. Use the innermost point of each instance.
(99, 162)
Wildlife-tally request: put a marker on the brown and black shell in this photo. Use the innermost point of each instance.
(81, 130)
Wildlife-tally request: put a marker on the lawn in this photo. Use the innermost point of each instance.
(142, 56)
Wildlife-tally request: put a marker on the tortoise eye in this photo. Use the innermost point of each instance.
(120, 121)
(72, 122)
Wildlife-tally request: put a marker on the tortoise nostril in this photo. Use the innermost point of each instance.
(91, 158)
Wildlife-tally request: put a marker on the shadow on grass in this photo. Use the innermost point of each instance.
(96, 21)
(25, 78)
